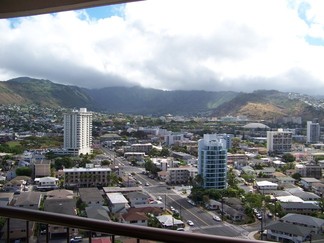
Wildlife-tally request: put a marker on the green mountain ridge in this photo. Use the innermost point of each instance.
(261, 104)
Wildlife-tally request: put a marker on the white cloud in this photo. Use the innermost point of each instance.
(173, 44)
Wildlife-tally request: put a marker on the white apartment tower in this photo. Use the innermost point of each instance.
(212, 161)
(78, 132)
(279, 141)
(313, 132)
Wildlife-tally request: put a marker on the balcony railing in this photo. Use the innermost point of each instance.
(105, 227)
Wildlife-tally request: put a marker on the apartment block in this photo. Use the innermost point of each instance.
(86, 177)
(78, 132)
(279, 141)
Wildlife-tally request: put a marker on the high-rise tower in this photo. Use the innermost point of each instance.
(78, 132)
(313, 132)
(212, 161)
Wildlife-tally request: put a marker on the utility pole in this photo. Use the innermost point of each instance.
(222, 200)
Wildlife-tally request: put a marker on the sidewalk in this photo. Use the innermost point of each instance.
(251, 235)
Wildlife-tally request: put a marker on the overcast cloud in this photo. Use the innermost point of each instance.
(174, 45)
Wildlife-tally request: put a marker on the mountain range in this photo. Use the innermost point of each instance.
(258, 105)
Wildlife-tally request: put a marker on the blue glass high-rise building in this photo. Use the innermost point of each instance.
(212, 161)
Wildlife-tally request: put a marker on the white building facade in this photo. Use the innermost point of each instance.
(78, 132)
(212, 161)
(279, 141)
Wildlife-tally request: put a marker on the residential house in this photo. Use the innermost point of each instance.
(306, 208)
(285, 232)
(264, 186)
(46, 183)
(30, 200)
(315, 224)
(318, 188)
(117, 203)
(91, 196)
(98, 212)
(232, 213)
(137, 198)
(306, 196)
(134, 217)
(6, 198)
(307, 182)
(248, 170)
(65, 206)
(285, 180)
(268, 171)
(168, 221)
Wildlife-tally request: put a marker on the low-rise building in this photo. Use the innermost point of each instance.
(306, 208)
(117, 203)
(266, 186)
(86, 177)
(181, 175)
(91, 196)
(137, 198)
(307, 182)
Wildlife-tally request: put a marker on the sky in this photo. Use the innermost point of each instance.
(212, 45)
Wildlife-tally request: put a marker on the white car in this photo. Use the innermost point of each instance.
(159, 198)
(190, 223)
(216, 218)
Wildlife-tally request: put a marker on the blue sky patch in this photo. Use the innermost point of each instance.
(314, 41)
(302, 10)
(106, 11)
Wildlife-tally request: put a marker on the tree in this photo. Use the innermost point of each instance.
(165, 152)
(296, 176)
(198, 181)
(23, 171)
(113, 179)
(288, 157)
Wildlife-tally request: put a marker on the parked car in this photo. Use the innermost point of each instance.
(180, 229)
(159, 198)
(76, 239)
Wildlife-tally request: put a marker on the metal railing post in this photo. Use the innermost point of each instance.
(8, 229)
(27, 231)
(67, 234)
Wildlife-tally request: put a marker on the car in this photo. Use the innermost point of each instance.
(217, 218)
(176, 211)
(259, 216)
(190, 223)
(180, 229)
(191, 202)
(147, 184)
(76, 239)
(159, 198)
(270, 215)
(172, 208)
